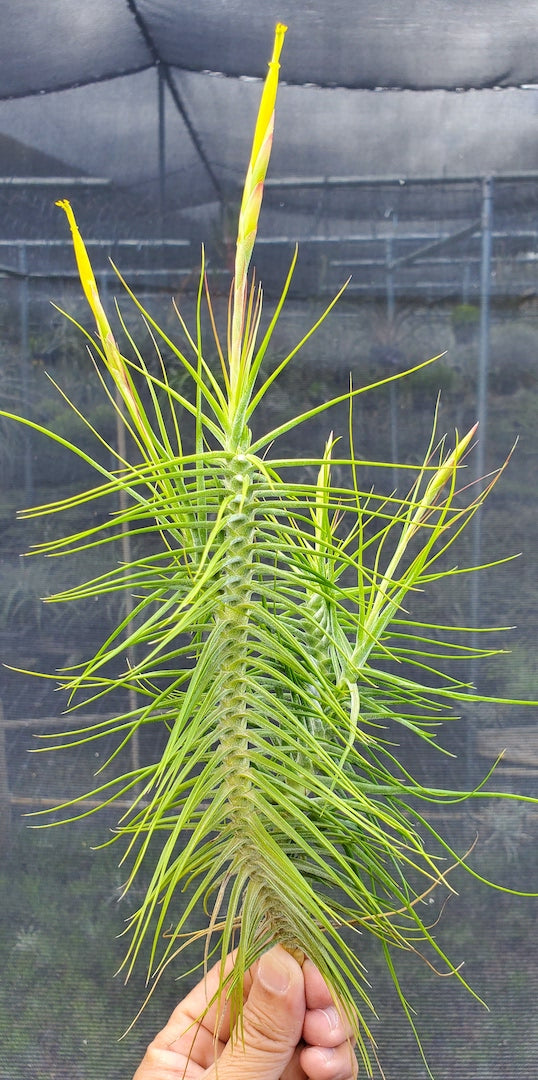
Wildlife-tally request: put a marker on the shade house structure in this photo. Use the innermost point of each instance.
(405, 162)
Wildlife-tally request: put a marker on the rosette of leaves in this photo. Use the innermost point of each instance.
(263, 631)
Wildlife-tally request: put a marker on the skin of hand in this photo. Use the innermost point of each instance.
(292, 1030)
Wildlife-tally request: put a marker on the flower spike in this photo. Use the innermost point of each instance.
(252, 200)
(114, 361)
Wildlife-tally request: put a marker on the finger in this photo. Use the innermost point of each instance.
(190, 1031)
(326, 1027)
(195, 1004)
(187, 1046)
(272, 1022)
(162, 1064)
(329, 1062)
(294, 1070)
(325, 1023)
(318, 995)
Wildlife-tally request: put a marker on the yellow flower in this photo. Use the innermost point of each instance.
(113, 358)
(252, 200)
(267, 103)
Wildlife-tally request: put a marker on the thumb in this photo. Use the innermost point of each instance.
(272, 1022)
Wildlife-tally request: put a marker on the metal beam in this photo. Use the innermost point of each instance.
(402, 260)
(54, 181)
(133, 242)
(391, 181)
(380, 237)
(52, 275)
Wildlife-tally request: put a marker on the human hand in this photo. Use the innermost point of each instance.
(291, 1030)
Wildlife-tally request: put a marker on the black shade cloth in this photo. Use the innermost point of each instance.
(407, 44)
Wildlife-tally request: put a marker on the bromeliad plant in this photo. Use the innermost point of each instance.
(264, 628)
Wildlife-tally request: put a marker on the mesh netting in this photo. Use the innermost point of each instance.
(392, 189)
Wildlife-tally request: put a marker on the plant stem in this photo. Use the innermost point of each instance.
(232, 633)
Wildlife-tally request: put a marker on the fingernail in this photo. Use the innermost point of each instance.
(273, 973)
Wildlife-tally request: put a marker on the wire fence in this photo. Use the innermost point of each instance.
(435, 267)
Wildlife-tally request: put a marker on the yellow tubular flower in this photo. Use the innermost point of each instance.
(89, 284)
(252, 197)
(267, 103)
(113, 358)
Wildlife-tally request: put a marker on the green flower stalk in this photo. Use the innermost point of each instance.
(268, 636)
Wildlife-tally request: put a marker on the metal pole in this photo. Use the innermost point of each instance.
(466, 284)
(483, 371)
(24, 307)
(5, 795)
(482, 407)
(161, 107)
(393, 392)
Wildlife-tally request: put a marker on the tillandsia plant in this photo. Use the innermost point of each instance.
(265, 623)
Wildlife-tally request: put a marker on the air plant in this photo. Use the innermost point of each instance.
(268, 636)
